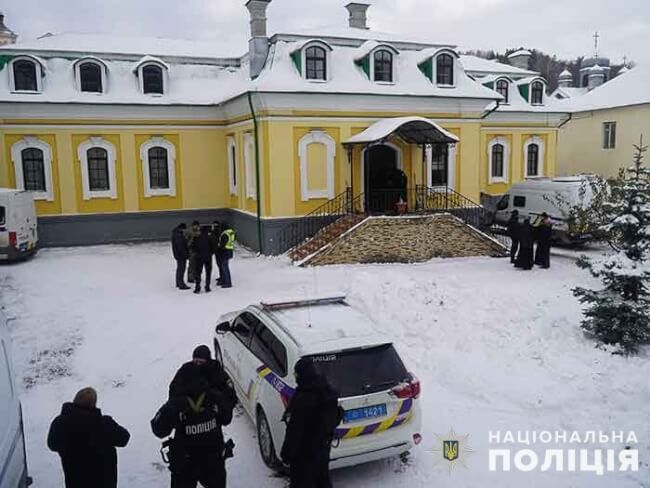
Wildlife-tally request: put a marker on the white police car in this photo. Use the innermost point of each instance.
(260, 345)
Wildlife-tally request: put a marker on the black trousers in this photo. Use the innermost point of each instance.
(211, 474)
(181, 265)
(199, 266)
(223, 262)
(311, 473)
(513, 249)
(543, 254)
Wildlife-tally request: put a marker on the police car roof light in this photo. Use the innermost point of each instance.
(281, 305)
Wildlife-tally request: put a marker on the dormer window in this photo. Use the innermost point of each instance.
(91, 75)
(383, 66)
(503, 89)
(316, 63)
(445, 70)
(25, 74)
(152, 76)
(537, 93)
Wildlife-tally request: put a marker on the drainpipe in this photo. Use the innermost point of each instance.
(260, 240)
(569, 118)
(491, 111)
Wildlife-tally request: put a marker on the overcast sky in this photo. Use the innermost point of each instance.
(562, 27)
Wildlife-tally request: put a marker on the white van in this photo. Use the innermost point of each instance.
(531, 198)
(13, 459)
(18, 231)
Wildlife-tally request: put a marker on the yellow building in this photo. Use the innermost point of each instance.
(120, 139)
(605, 124)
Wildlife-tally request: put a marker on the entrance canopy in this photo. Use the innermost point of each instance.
(412, 130)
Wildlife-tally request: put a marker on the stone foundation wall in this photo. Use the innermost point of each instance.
(406, 240)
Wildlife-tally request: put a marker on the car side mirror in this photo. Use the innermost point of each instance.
(223, 328)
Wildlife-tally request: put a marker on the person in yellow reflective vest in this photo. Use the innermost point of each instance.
(224, 255)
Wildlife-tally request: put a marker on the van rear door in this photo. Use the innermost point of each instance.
(4, 232)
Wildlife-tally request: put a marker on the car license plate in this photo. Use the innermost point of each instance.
(357, 414)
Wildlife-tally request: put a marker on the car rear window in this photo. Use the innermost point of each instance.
(362, 371)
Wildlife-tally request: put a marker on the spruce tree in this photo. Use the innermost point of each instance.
(619, 313)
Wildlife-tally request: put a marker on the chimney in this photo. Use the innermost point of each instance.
(520, 59)
(258, 45)
(565, 79)
(358, 18)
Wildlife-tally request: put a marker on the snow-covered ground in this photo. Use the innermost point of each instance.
(495, 349)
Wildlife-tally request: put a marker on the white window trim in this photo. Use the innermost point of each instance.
(328, 60)
(39, 74)
(232, 163)
(606, 123)
(33, 142)
(434, 69)
(82, 153)
(540, 166)
(506, 160)
(502, 102)
(316, 137)
(103, 71)
(165, 78)
(171, 167)
(371, 59)
(452, 151)
(249, 166)
(400, 164)
(530, 93)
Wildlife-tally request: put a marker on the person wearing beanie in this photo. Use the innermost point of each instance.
(86, 441)
(312, 416)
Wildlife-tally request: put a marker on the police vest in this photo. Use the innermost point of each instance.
(230, 245)
(199, 425)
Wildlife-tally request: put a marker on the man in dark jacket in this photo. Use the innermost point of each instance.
(312, 417)
(202, 259)
(224, 255)
(86, 441)
(513, 233)
(191, 234)
(525, 257)
(181, 253)
(196, 414)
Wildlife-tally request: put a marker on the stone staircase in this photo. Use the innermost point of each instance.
(325, 236)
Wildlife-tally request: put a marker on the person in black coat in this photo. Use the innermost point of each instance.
(181, 252)
(202, 259)
(312, 417)
(544, 234)
(195, 414)
(525, 257)
(86, 441)
(513, 233)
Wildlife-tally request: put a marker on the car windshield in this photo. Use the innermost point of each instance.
(362, 371)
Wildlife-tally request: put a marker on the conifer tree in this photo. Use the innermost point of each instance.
(619, 313)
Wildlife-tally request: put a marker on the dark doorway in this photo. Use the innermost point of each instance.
(385, 183)
(439, 165)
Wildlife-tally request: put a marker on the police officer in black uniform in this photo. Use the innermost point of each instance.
(196, 412)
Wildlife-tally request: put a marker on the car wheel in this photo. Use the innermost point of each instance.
(218, 356)
(265, 441)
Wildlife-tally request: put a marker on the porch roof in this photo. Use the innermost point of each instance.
(412, 130)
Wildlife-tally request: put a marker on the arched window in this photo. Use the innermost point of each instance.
(532, 161)
(498, 154)
(25, 74)
(537, 93)
(90, 78)
(158, 169)
(33, 161)
(503, 90)
(316, 151)
(98, 179)
(316, 63)
(497, 161)
(439, 165)
(445, 70)
(158, 157)
(232, 165)
(383, 66)
(152, 80)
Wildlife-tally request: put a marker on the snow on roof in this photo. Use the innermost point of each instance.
(521, 52)
(280, 74)
(149, 59)
(566, 74)
(329, 328)
(385, 127)
(369, 46)
(631, 88)
(570, 92)
(112, 44)
(474, 64)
